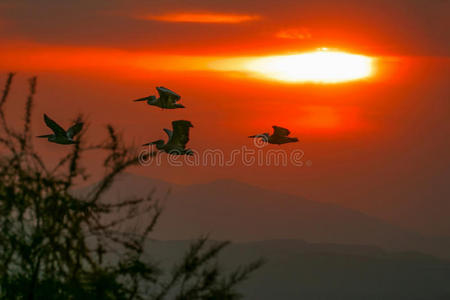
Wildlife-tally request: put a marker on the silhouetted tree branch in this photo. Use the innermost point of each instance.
(58, 244)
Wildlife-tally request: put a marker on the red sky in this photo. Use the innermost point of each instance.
(379, 145)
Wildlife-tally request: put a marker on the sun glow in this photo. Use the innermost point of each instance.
(322, 66)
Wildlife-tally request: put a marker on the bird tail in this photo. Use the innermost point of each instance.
(180, 106)
(44, 136)
(141, 99)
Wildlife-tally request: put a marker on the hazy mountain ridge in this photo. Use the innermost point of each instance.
(296, 269)
(349, 263)
(231, 210)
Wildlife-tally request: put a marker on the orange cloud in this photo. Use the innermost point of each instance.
(201, 18)
(55, 58)
(294, 34)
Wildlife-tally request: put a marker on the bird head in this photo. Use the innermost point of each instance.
(151, 98)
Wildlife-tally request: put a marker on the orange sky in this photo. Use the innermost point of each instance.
(379, 144)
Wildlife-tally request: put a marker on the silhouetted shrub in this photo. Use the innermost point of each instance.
(57, 244)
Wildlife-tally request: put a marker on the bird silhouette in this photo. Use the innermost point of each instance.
(61, 136)
(167, 99)
(278, 137)
(178, 138)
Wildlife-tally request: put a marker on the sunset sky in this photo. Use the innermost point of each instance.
(378, 143)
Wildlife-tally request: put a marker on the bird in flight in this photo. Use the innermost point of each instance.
(278, 137)
(178, 138)
(167, 99)
(60, 136)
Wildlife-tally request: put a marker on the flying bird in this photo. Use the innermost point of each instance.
(167, 99)
(61, 136)
(178, 138)
(278, 137)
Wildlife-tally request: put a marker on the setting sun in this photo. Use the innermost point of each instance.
(321, 66)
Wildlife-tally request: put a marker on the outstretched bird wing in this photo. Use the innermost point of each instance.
(74, 130)
(166, 96)
(169, 133)
(180, 136)
(280, 131)
(58, 130)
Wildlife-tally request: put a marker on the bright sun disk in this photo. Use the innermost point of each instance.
(321, 66)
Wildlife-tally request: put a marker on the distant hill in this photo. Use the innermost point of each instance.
(231, 210)
(299, 270)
